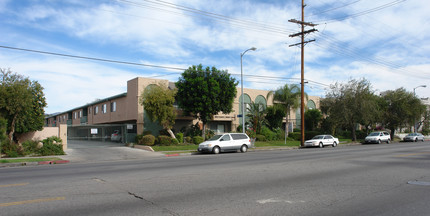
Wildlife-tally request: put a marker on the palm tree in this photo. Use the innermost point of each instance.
(287, 97)
(256, 114)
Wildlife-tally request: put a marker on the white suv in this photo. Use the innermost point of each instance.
(378, 137)
(226, 142)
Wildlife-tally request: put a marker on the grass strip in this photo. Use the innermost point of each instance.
(22, 160)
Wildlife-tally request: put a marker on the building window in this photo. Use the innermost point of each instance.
(75, 115)
(89, 111)
(113, 107)
(104, 108)
(96, 110)
(80, 114)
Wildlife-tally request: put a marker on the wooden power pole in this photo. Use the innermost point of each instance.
(302, 83)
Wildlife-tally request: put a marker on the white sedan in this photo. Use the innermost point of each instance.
(322, 140)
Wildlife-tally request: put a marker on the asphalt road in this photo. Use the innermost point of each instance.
(386, 179)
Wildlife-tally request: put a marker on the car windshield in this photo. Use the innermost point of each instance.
(374, 134)
(318, 137)
(412, 134)
(216, 137)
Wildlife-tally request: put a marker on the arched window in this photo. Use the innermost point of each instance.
(262, 101)
(246, 101)
(311, 104)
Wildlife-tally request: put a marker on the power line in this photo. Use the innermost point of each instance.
(332, 9)
(381, 7)
(134, 63)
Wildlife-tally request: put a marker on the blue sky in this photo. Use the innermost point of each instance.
(384, 41)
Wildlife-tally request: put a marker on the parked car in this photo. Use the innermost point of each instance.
(413, 137)
(378, 137)
(322, 140)
(116, 136)
(226, 142)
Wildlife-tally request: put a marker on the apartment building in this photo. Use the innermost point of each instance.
(123, 114)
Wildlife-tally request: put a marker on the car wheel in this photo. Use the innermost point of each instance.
(321, 145)
(216, 150)
(334, 144)
(379, 141)
(244, 148)
(388, 141)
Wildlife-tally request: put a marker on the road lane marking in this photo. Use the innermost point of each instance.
(412, 154)
(31, 201)
(14, 185)
(272, 200)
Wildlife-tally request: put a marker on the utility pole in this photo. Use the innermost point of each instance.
(302, 83)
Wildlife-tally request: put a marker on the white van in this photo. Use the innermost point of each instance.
(226, 142)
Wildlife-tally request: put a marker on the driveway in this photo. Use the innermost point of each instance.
(97, 151)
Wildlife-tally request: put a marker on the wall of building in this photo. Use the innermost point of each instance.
(60, 131)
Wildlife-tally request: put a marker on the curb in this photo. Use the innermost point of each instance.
(34, 163)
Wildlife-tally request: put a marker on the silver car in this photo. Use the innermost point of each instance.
(226, 142)
(413, 137)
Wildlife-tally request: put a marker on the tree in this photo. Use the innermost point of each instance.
(349, 105)
(287, 98)
(205, 92)
(312, 118)
(401, 107)
(256, 114)
(158, 103)
(274, 117)
(22, 103)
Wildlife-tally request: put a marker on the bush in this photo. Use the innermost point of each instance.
(260, 137)
(29, 147)
(270, 135)
(280, 134)
(138, 139)
(174, 141)
(188, 139)
(148, 140)
(51, 146)
(209, 134)
(180, 137)
(295, 135)
(197, 140)
(164, 140)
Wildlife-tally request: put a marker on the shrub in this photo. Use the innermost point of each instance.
(280, 134)
(29, 147)
(138, 139)
(295, 135)
(197, 140)
(209, 134)
(188, 139)
(260, 137)
(51, 149)
(180, 137)
(148, 140)
(270, 135)
(164, 140)
(51, 146)
(174, 141)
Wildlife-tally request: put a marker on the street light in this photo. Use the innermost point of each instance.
(415, 123)
(241, 84)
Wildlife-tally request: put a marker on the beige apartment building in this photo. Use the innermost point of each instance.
(123, 114)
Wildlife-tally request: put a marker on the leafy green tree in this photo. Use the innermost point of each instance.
(348, 104)
(256, 114)
(286, 97)
(22, 103)
(274, 117)
(401, 108)
(158, 103)
(312, 118)
(204, 92)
